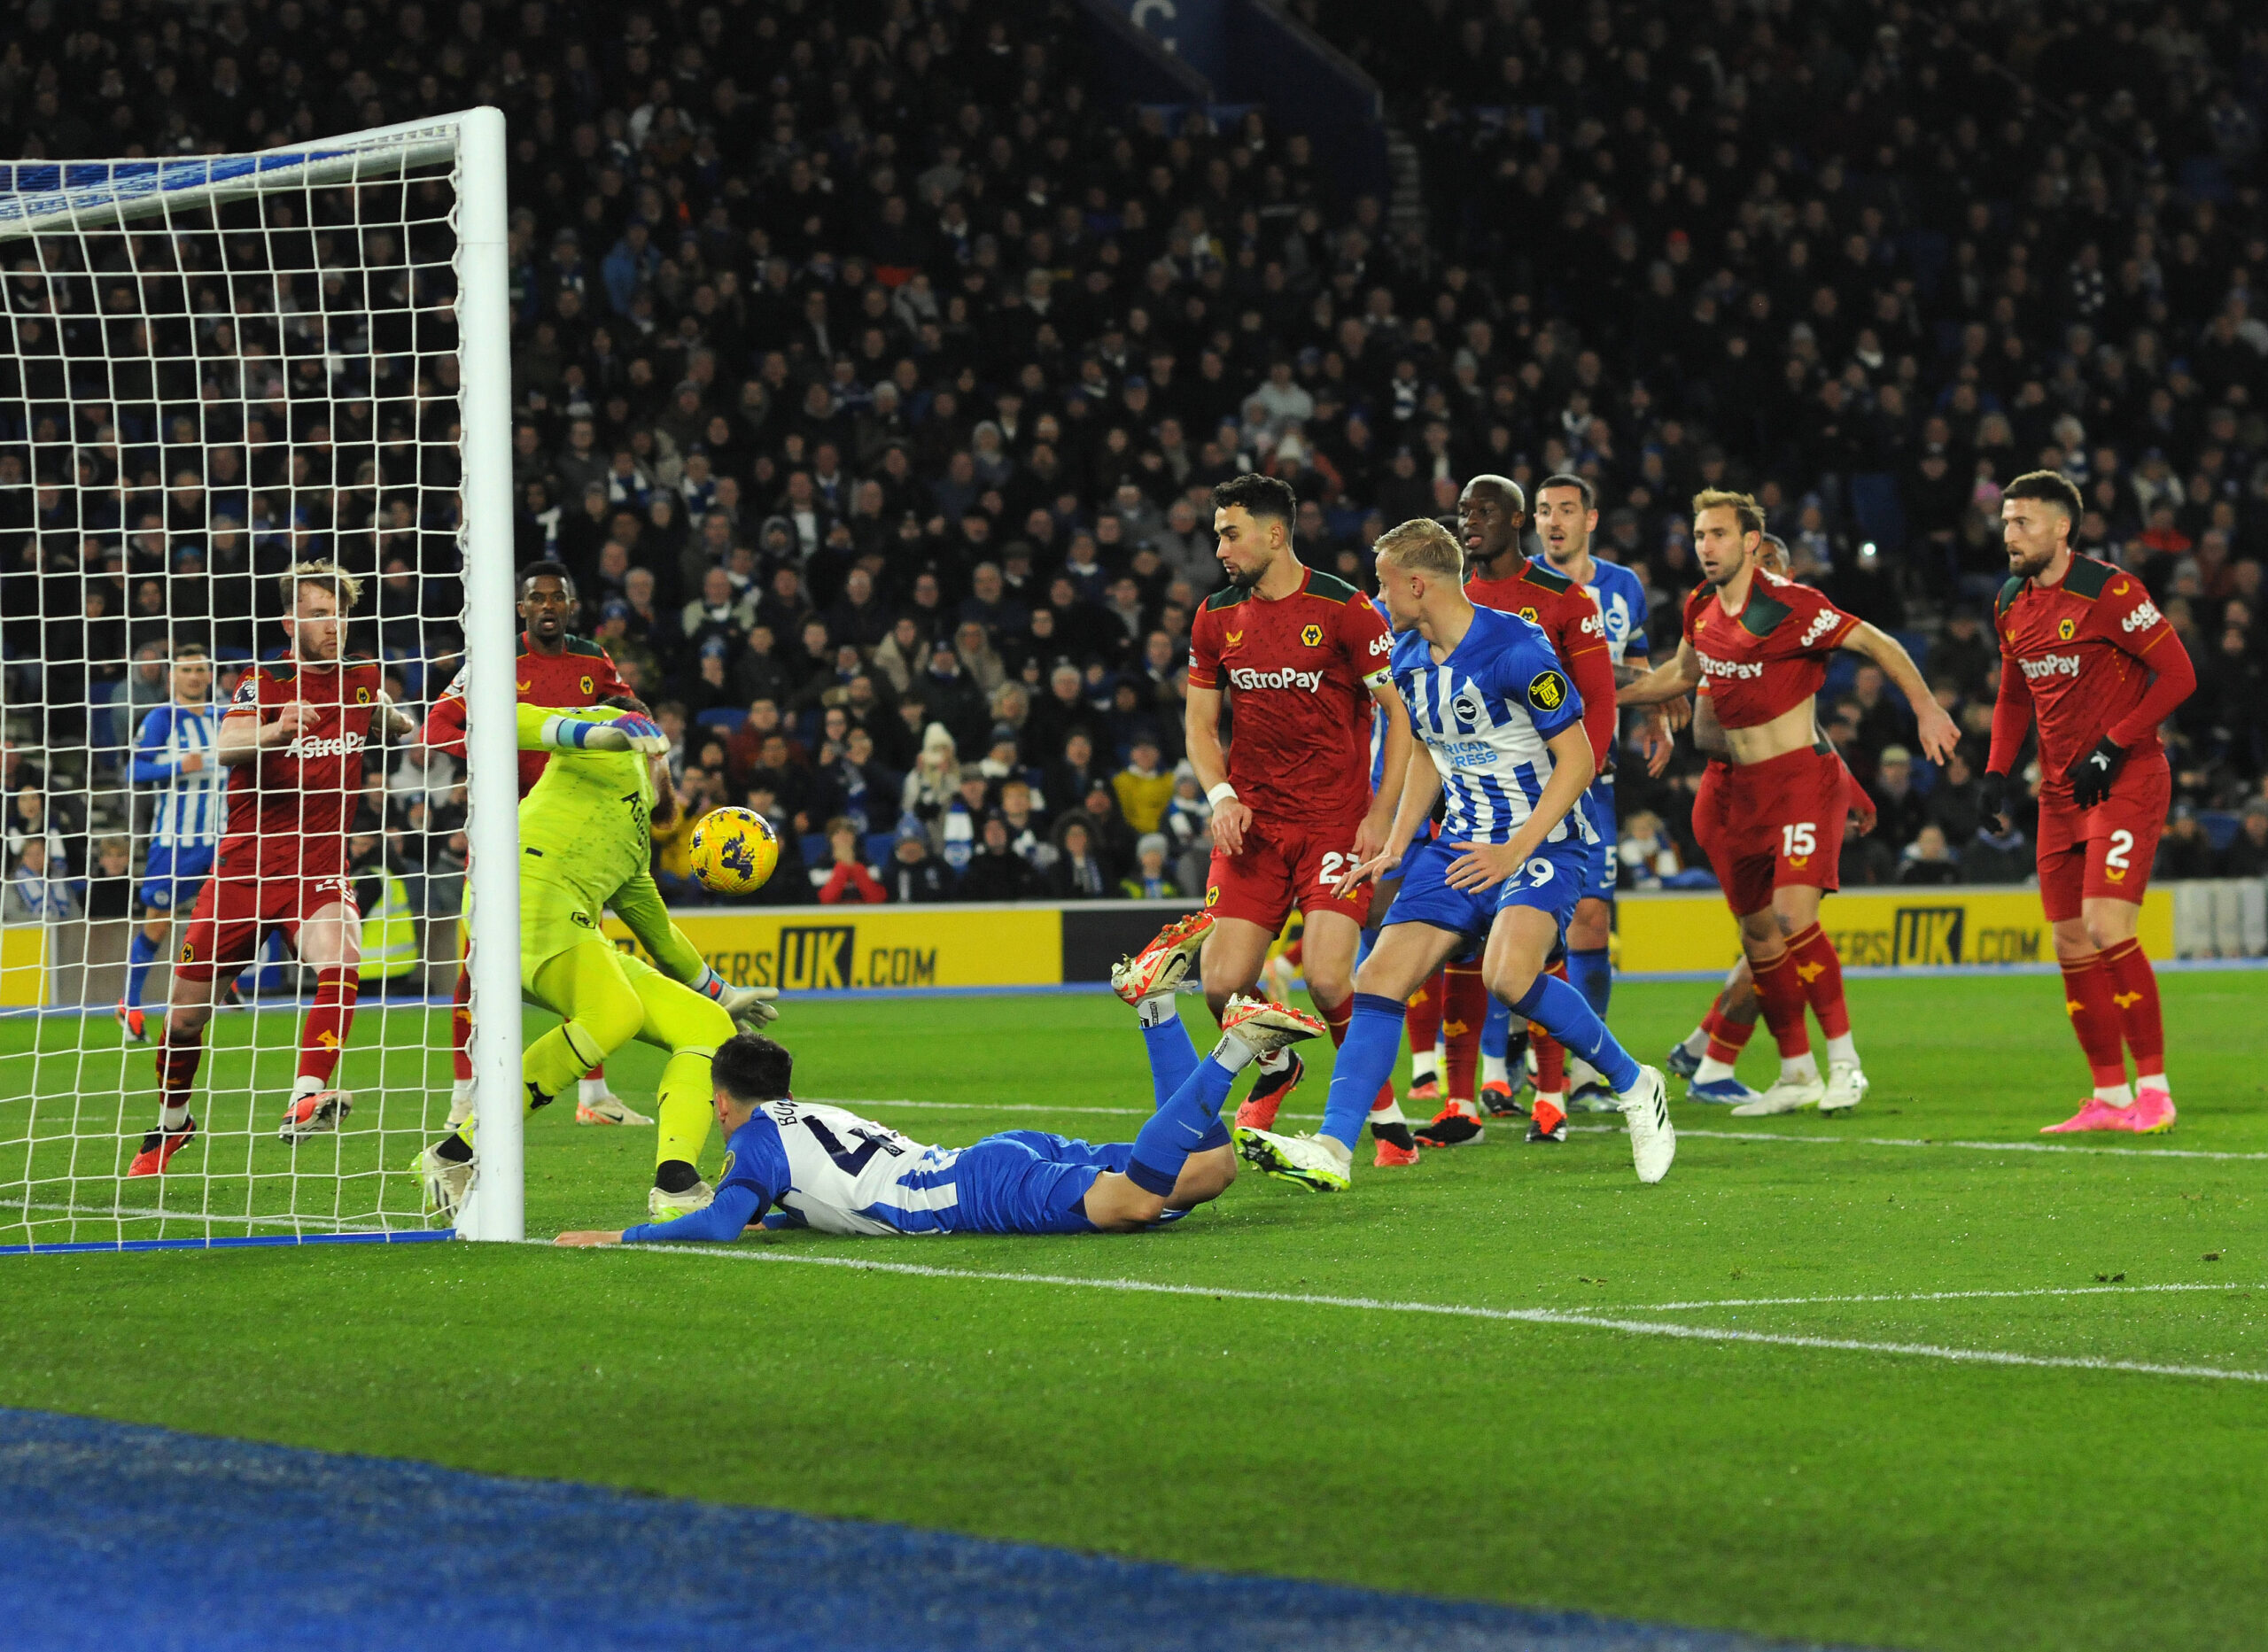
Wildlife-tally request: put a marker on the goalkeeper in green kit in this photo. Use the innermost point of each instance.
(586, 847)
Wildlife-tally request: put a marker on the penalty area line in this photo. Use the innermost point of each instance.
(1451, 1310)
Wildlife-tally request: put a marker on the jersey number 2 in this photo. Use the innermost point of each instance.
(2122, 845)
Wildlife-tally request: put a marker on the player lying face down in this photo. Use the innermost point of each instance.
(797, 1164)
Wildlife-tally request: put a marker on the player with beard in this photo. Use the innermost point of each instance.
(2086, 653)
(1705, 1056)
(1491, 511)
(294, 739)
(1300, 658)
(1763, 643)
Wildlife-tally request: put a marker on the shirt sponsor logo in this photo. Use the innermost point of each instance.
(1740, 670)
(1820, 625)
(344, 745)
(1593, 625)
(2143, 619)
(1382, 644)
(2051, 665)
(1245, 677)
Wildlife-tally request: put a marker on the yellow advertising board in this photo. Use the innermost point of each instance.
(23, 965)
(831, 948)
(1877, 928)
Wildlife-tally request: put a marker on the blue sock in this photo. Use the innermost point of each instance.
(1593, 977)
(141, 953)
(1373, 1042)
(1186, 1121)
(1172, 1056)
(1496, 1028)
(1557, 1008)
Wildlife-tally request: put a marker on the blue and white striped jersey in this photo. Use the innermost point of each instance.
(1622, 598)
(831, 1170)
(1484, 714)
(191, 808)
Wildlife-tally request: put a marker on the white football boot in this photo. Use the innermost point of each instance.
(1653, 1139)
(661, 1207)
(1846, 1087)
(1789, 1095)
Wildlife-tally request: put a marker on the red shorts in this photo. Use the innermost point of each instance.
(1764, 825)
(2105, 853)
(246, 897)
(1283, 866)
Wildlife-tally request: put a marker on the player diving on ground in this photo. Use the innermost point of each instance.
(586, 849)
(1500, 727)
(795, 1164)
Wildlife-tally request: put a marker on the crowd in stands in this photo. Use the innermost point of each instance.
(870, 372)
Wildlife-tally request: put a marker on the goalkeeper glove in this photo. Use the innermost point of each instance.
(626, 733)
(751, 1008)
(1992, 797)
(2092, 775)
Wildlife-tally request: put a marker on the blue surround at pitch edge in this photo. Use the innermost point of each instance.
(126, 1536)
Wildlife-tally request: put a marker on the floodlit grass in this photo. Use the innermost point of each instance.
(1887, 1494)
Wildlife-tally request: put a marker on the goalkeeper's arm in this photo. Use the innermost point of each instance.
(639, 904)
(541, 728)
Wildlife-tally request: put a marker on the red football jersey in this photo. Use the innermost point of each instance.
(1770, 656)
(296, 800)
(580, 674)
(1297, 673)
(2084, 651)
(1570, 617)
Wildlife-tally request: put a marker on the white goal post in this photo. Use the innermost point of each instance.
(213, 369)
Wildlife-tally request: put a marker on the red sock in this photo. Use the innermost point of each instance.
(1820, 971)
(2095, 1018)
(461, 1027)
(177, 1065)
(2135, 994)
(1423, 1017)
(1550, 1062)
(324, 1034)
(1782, 995)
(1727, 1037)
(597, 1073)
(1464, 1006)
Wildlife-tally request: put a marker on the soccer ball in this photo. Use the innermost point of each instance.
(734, 850)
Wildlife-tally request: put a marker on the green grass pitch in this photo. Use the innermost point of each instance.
(1798, 1487)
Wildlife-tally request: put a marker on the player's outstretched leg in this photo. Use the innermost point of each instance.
(181, 1048)
(1706, 1058)
(1148, 981)
(690, 1026)
(1517, 943)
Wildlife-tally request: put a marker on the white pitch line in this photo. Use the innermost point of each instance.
(1527, 1316)
(1933, 1296)
(1616, 1129)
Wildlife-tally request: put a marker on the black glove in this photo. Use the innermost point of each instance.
(2092, 775)
(1992, 797)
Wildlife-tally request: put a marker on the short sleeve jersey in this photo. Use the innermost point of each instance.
(580, 674)
(1622, 598)
(1769, 657)
(833, 1171)
(296, 800)
(2085, 646)
(1487, 714)
(1296, 673)
(1544, 597)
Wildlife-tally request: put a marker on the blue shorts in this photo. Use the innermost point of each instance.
(1598, 805)
(173, 876)
(1030, 1182)
(1553, 880)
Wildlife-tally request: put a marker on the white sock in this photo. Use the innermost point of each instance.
(2114, 1095)
(1154, 1011)
(1799, 1069)
(1390, 1113)
(172, 1116)
(589, 1089)
(1424, 1067)
(1496, 1070)
(1712, 1071)
(1337, 1149)
(1841, 1051)
(305, 1085)
(1695, 1043)
(1554, 1100)
(2154, 1081)
(460, 1090)
(1236, 1055)
(1465, 1108)
(1274, 1062)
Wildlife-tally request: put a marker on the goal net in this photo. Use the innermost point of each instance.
(214, 371)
